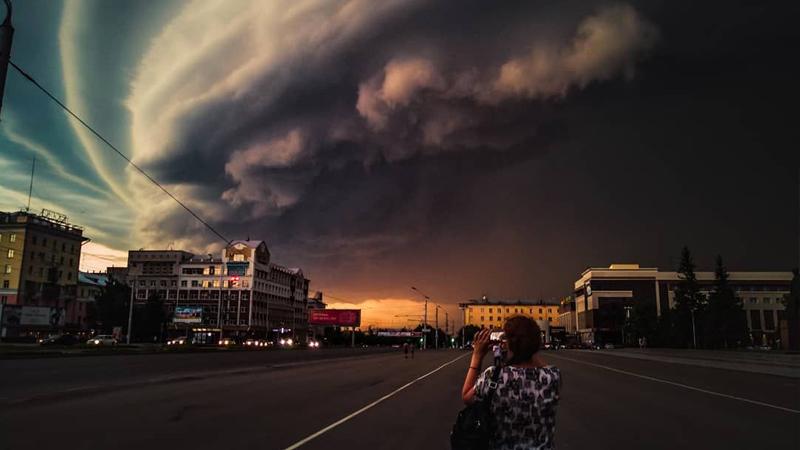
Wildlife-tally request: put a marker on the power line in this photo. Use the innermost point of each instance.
(121, 155)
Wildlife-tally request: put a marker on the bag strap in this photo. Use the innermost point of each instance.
(493, 382)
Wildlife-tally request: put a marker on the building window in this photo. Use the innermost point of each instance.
(30, 270)
(41, 271)
(183, 283)
(8, 268)
(5, 284)
(481, 318)
(142, 283)
(12, 237)
(173, 283)
(69, 276)
(540, 310)
(490, 318)
(10, 252)
(194, 283)
(490, 311)
(753, 300)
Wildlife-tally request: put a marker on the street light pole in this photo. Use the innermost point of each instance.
(130, 313)
(425, 320)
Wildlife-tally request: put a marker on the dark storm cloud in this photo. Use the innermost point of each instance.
(512, 145)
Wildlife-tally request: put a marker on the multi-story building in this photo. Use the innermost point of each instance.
(39, 257)
(90, 285)
(316, 302)
(486, 313)
(566, 315)
(240, 293)
(604, 297)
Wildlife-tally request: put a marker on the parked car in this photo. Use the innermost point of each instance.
(257, 343)
(59, 339)
(102, 339)
(183, 340)
(313, 344)
(227, 342)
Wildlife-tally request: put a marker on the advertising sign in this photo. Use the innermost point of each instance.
(188, 314)
(339, 317)
(237, 269)
(402, 334)
(43, 316)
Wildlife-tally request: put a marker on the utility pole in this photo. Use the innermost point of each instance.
(694, 334)
(437, 327)
(30, 188)
(6, 37)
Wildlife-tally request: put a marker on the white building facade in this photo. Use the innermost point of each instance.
(241, 293)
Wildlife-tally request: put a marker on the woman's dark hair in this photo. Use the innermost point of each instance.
(524, 338)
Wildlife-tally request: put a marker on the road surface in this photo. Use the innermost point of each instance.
(376, 401)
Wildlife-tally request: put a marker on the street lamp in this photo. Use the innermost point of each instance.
(425, 323)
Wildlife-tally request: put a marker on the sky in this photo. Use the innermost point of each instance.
(463, 147)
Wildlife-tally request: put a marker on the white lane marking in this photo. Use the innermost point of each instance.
(350, 416)
(672, 383)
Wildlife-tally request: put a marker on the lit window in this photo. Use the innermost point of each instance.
(8, 268)
(11, 252)
(12, 237)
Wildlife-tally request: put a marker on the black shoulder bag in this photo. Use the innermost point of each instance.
(475, 424)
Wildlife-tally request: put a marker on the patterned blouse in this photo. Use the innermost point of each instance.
(524, 406)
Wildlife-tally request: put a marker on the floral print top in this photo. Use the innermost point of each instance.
(524, 406)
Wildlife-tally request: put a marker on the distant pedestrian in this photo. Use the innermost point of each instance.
(405, 350)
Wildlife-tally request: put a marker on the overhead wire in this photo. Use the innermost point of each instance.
(116, 150)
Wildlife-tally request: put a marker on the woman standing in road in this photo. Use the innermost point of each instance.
(527, 391)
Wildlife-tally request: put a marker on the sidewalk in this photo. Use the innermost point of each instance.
(782, 364)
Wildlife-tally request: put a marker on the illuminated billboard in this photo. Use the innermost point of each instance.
(188, 314)
(337, 317)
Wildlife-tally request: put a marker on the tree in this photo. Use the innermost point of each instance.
(690, 303)
(151, 319)
(111, 306)
(726, 324)
(470, 331)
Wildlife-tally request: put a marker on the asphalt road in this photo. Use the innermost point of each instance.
(379, 401)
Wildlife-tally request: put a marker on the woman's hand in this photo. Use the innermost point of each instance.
(480, 343)
(480, 346)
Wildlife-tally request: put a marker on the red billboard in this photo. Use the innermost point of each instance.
(340, 317)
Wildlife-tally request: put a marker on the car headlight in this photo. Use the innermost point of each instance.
(289, 342)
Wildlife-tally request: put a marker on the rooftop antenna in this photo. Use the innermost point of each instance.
(30, 188)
